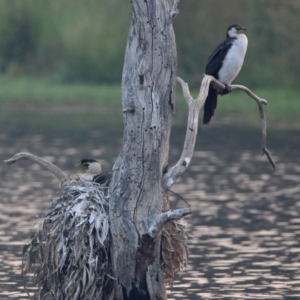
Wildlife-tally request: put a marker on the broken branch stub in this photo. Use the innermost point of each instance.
(161, 219)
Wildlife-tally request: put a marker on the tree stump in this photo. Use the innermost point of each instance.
(136, 194)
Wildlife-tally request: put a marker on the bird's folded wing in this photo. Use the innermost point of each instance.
(216, 59)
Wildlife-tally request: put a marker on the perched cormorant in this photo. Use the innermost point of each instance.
(94, 171)
(225, 64)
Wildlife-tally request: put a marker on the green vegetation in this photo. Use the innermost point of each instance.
(75, 41)
(282, 109)
(84, 41)
(43, 101)
(64, 58)
(48, 92)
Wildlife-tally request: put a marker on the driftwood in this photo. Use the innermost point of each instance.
(195, 106)
(56, 171)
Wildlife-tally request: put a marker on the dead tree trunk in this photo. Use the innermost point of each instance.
(136, 194)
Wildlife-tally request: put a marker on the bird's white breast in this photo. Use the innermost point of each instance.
(233, 60)
(88, 176)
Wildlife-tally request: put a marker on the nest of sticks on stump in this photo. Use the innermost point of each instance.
(174, 250)
(70, 250)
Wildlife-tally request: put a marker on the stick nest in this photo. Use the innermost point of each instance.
(70, 248)
(69, 251)
(174, 253)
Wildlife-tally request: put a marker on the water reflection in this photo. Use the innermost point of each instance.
(245, 222)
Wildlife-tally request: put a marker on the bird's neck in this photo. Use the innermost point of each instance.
(94, 168)
(242, 37)
(242, 44)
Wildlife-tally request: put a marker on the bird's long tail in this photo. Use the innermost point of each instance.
(210, 104)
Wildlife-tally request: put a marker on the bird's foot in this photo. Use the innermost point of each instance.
(227, 90)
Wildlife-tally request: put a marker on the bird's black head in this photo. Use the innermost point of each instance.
(234, 30)
(86, 161)
(90, 165)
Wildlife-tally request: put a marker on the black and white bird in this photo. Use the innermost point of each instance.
(94, 171)
(225, 64)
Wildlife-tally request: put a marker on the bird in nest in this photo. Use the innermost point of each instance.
(94, 171)
(225, 64)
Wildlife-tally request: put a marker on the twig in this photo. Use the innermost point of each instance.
(56, 171)
(165, 217)
(260, 102)
(195, 106)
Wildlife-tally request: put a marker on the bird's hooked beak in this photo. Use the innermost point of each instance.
(81, 166)
(241, 30)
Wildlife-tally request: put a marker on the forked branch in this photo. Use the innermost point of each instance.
(191, 131)
(56, 171)
(195, 106)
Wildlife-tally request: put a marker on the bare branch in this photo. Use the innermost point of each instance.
(192, 128)
(195, 106)
(56, 171)
(260, 102)
(165, 217)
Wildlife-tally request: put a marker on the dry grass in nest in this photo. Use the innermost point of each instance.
(174, 247)
(70, 249)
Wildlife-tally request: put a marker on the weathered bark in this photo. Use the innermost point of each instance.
(136, 194)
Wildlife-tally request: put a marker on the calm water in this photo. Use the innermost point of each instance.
(245, 222)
